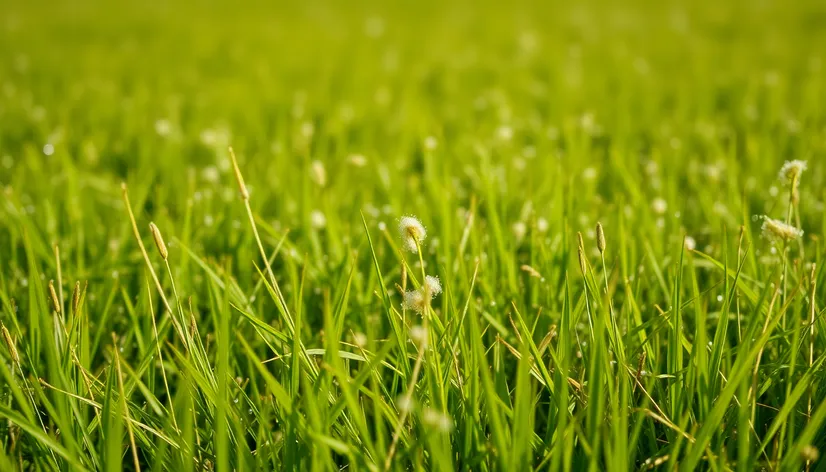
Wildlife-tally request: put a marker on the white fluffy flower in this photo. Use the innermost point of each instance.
(434, 286)
(415, 300)
(412, 233)
(791, 170)
(430, 143)
(659, 206)
(419, 299)
(519, 230)
(317, 219)
(776, 230)
(418, 335)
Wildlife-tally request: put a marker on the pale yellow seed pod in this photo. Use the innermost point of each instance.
(10, 344)
(581, 254)
(809, 453)
(159, 243)
(53, 295)
(76, 298)
(600, 238)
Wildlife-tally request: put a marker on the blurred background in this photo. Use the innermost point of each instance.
(405, 104)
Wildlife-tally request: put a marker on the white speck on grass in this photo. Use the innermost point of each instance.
(307, 129)
(163, 127)
(48, 149)
(519, 230)
(318, 173)
(357, 160)
(418, 335)
(360, 339)
(211, 174)
(404, 403)
(437, 420)
(430, 143)
(659, 205)
(317, 219)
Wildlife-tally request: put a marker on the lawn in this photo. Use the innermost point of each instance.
(394, 236)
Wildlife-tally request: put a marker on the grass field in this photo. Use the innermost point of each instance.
(283, 315)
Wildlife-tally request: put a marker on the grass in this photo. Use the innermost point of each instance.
(271, 332)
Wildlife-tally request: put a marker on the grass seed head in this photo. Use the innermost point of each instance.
(791, 170)
(600, 238)
(433, 285)
(53, 295)
(531, 271)
(412, 232)
(415, 300)
(809, 453)
(779, 231)
(10, 344)
(318, 173)
(159, 243)
(581, 254)
(76, 298)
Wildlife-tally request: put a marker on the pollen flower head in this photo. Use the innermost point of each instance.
(433, 285)
(418, 334)
(418, 300)
(791, 171)
(412, 233)
(778, 231)
(415, 300)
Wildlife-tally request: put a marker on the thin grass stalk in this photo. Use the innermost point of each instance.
(126, 407)
(812, 312)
